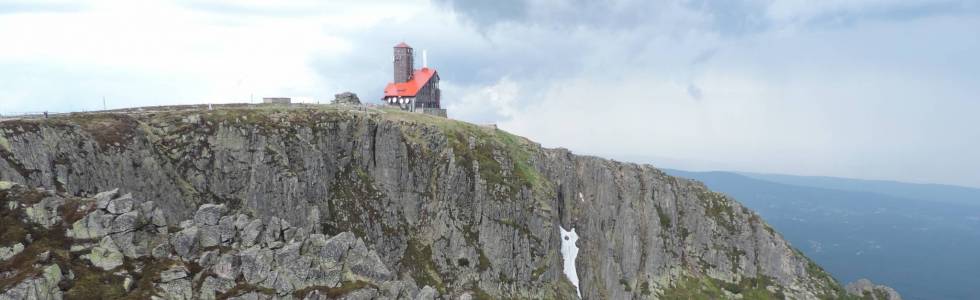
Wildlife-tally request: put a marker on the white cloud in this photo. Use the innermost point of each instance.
(218, 57)
(746, 85)
(497, 101)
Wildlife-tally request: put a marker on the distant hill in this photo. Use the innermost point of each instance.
(927, 192)
(923, 240)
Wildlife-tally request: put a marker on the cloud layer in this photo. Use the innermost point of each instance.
(869, 88)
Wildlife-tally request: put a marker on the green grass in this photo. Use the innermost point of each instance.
(345, 288)
(664, 218)
(718, 208)
(710, 288)
(503, 159)
(484, 261)
(4, 144)
(418, 260)
(626, 285)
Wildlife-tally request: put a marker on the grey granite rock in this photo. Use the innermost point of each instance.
(102, 199)
(10, 251)
(42, 287)
(209, 214)
(427, 293)
(366, 264)
(865, 289)
(256, 263)
(95, 225)
(306, 263)
(121, 205)
(126, 222)
(106, 255)
(173, 273)
(214, 285)
(5, 185)
(441, 202)
(178, 289)
(251, 232)
(45, 212)
(185, 242)
(228, 266)
(346, 98)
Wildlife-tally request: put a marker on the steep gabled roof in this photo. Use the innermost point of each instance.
(411, 87)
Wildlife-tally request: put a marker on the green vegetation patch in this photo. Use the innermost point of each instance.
(93, 283)
(626, 285)
(4, 143)
(718, 208)
(418, 260)
(484, 261)
(108, 129)
(17, 127)
(480, 294)
(346, 287)
(831, 288)
(710, 288)
(354, 196)
(26, 264)
(664, 218)
(503, 159)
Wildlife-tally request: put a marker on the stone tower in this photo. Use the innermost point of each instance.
(404, 62)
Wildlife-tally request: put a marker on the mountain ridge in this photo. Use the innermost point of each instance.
(465, 209)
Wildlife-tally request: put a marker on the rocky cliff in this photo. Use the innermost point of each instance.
(465, 210)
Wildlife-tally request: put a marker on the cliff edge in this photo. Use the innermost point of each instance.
(465, 210)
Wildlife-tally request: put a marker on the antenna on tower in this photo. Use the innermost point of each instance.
(425, 59)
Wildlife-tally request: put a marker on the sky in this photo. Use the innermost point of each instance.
(874, 89)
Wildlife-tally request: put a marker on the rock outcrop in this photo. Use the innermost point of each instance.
(866, 290)
(466, 210)
(346, 98)
(214, 255)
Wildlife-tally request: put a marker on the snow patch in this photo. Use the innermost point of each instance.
(580, 198)
(568, 254)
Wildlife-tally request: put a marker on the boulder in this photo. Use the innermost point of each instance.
(209, 214)
(180, 289)
(102, 199)
(126, 222)
(45, 212)
(95, 225)
(346, 98)
(121, 205)
(255, 264)
(44, 286)
(366, 264)
(8, 252)
(106, 255)
(185, 243)
(865, 289)
(228, 266)
(173, 273)
(251, 232)
(214, 285)
(427, 293)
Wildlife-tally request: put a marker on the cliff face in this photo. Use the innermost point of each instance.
(460, 208)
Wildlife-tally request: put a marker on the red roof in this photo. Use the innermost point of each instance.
(411, 87)
(402, 45)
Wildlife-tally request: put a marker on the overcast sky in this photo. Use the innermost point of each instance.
(872, 89)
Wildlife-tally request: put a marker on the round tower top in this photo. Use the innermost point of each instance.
(402, 45)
